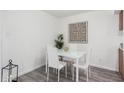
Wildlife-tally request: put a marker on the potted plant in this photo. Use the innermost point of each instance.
(59, 43)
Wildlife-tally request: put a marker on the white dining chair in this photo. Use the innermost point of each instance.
(53, 61)
(83, 64)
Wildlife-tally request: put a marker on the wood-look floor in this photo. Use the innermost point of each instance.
(96, 75)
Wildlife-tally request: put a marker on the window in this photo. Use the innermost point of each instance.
(78, 32)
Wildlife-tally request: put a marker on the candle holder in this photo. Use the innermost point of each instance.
(10, 75)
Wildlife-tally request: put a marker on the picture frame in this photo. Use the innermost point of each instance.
(78, 32)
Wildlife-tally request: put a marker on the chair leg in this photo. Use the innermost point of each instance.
(66, 71)
(89, 71)
(87, 74)
(58, 75)
(48, 74)
(46, 68)
(73, 73)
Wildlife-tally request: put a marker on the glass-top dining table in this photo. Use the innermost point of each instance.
(75, 55)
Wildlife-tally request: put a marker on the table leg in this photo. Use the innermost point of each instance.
(77, 71)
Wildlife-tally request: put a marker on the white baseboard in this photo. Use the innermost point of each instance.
(29, 70)
(104, 67)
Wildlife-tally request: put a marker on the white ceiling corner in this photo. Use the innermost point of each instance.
(65, 13)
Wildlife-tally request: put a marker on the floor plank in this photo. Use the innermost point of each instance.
(96, 75)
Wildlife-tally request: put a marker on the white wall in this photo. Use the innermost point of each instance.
(26, 34)
(0, 39)
(103, 36)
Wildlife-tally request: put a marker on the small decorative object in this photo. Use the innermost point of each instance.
(66, 49)
(59, 42)
(11, 76)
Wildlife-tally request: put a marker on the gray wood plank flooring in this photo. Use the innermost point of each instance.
(96, 75)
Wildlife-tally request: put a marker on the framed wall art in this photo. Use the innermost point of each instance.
(78, 32)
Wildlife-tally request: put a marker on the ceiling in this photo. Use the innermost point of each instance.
(65, 13)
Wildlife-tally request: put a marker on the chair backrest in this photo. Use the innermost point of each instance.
(85, 60)
(88, 56)
(82, 47)
(52, 56)
(78, 47)
(72, 47)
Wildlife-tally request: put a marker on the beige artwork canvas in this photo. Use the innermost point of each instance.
(78, 32)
